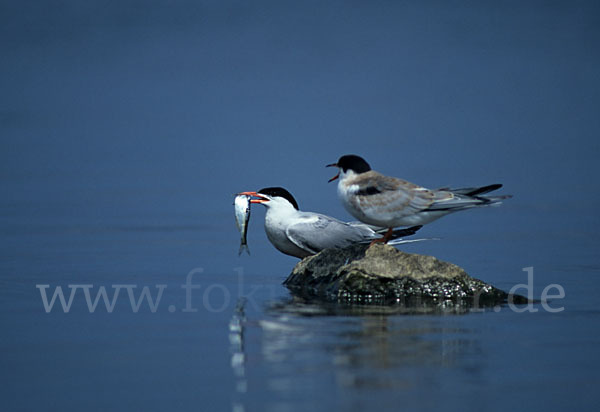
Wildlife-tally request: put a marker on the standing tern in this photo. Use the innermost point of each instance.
(390, 202)
(302, 234)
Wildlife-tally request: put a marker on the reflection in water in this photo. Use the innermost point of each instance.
(367, 350)
(238, 357)
(304, 345)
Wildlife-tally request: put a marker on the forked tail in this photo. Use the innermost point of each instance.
(244, 246)
(468, 197)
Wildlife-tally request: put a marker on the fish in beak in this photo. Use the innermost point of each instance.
(262, 199)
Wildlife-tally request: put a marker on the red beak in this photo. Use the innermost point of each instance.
(261, 200)
(336, 176)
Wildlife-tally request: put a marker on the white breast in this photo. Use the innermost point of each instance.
(275, 228)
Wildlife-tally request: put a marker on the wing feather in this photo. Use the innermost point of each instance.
(390, 194)
(319, 232)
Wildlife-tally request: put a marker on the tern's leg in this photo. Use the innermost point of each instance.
(386, 238)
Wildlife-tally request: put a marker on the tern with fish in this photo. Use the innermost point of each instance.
(302, 234)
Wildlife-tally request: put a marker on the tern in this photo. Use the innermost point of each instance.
(389, 202)
(302, 234)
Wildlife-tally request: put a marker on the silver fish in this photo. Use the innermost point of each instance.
(242, 217)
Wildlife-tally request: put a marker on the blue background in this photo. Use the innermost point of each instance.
(126, 128)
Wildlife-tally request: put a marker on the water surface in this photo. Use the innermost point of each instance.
(127, 127)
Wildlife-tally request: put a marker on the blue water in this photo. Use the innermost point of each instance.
(126, 127)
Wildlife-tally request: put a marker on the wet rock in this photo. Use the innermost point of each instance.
(381, 274)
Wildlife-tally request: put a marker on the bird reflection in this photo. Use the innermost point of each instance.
(304, 345)
(367, 350)
(238, 357)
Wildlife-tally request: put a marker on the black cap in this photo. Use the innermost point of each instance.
(354, 163)
(279, 192)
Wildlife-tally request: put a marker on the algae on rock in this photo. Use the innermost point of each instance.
(382, 274)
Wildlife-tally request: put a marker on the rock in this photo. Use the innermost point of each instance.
(381, 274)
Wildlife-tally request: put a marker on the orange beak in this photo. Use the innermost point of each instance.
(262, 199)
(336, 176)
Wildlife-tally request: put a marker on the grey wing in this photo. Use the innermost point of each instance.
(319, 232)
(393, 195)
(402, 198)
(454, 202)
(474, 191)
(457, 199)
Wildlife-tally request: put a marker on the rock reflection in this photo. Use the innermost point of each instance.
(365, 345)
(299, 346)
